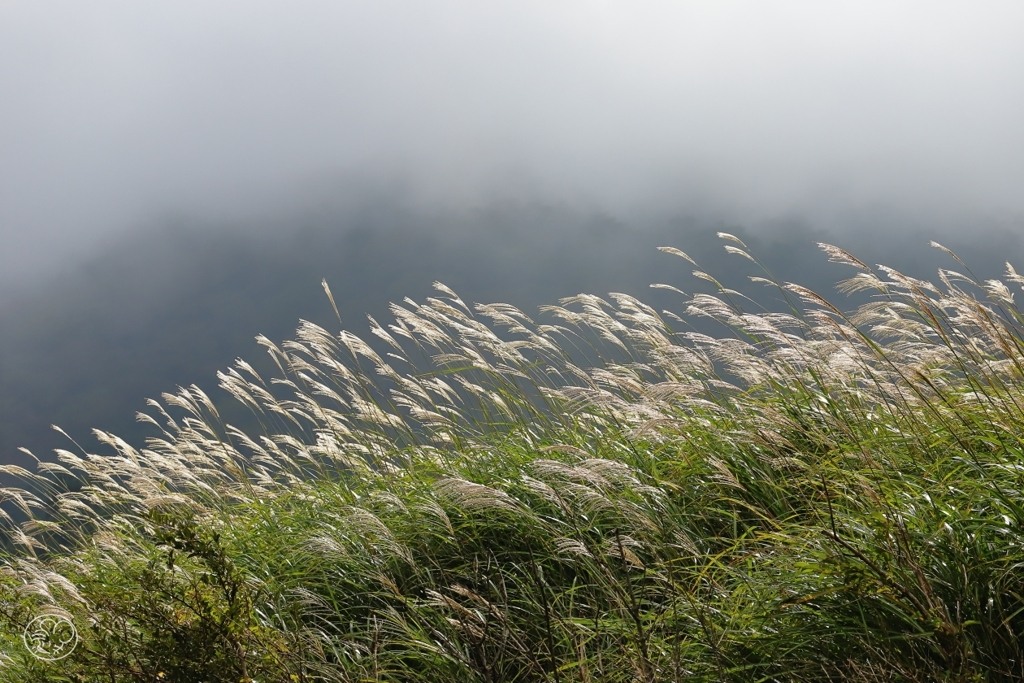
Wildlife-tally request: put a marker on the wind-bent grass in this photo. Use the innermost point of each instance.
(818, 497)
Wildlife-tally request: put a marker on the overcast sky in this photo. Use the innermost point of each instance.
(115, 115)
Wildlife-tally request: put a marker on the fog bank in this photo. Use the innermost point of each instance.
(117, 115)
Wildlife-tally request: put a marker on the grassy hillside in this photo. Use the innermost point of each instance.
(601, 494)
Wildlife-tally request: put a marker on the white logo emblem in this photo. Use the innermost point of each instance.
(50, 637)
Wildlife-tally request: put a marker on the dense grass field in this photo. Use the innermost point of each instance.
(609, 493)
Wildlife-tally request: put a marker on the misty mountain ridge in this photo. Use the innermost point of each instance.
(174, 305)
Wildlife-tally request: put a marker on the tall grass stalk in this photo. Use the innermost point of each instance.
(607, 495)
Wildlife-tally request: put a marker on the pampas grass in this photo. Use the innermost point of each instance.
(606, 495)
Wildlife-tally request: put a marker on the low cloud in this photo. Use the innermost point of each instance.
(117, 115)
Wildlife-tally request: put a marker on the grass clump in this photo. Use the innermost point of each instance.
(610, 496)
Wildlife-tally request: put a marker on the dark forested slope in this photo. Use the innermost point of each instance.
(173, 306)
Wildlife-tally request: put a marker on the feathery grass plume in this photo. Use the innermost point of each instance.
(595, 495)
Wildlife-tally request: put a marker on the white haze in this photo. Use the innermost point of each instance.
(116, 115)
